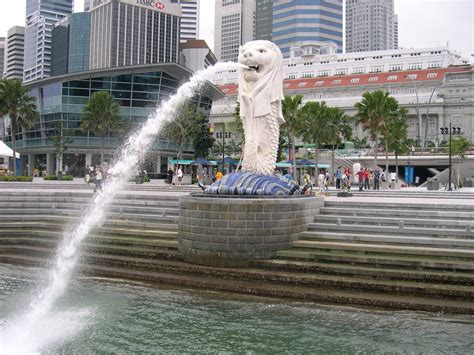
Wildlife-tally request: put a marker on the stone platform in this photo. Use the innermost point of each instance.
(219, 230)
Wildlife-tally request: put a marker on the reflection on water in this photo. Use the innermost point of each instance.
(103, 316)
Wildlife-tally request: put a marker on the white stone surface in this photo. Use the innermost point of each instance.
(260, 95)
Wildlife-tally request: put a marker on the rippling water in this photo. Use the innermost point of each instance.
(104, 316)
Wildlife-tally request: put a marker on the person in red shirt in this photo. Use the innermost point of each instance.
(360, 176)
(366, 179)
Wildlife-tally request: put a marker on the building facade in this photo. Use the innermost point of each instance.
(264, 20)
(60, 48)
(341, 79)
(196, 55)
(61, 102)
(14, 53)
(371, 25)
(234, 25)
(79, 42)
(41, 16)
(189, 28)
(2, 56)
(133, 32)
(87, 5)
(297, 22)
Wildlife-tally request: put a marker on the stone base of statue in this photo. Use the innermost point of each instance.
(230, 231)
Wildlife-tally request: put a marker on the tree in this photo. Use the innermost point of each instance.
(20, 108)
(374, 110)
(339, 129)
(315, 126)
(291, 106)
(101, 115)
(360, 143)
(201, 136)
(61, 140)
(397, 140)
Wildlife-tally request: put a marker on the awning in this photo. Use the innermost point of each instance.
(6, 151)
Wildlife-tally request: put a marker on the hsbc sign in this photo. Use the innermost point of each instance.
(151, 3)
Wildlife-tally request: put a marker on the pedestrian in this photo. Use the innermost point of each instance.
(366, 179)
(417, 180)
(377, 179)
(393, 176)
(170, 177)
(360, 176)
(179, 174)
(98, 179)
(321, 182)
(338, 176)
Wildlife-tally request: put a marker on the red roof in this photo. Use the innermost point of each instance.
(359, 79)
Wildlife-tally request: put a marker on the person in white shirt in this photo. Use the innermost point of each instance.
(179, 174)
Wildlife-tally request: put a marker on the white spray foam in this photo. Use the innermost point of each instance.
(67, 255)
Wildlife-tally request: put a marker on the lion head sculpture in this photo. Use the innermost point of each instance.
(261, 79)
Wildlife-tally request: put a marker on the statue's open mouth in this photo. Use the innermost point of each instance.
(253, 67)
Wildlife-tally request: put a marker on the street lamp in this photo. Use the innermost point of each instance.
(417, 109)
(223, 147)
(451, 131)
(428, 110)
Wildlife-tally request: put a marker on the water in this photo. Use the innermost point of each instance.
(104, 316)
(67, 255)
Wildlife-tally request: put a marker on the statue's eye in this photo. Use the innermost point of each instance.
(261, 50)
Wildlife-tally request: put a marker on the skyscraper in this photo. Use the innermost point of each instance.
(87, 5)
(41, 16)
(14, 53)
(296, 22)
(264, 19)
(189, 28)
(371, 25)
(234, 25)
(133, 32)
(2, 56)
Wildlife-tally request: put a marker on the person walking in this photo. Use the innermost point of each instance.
(377, 179)
(360, 176)
(98, 179)
(366, 179)
(170, 177)
(338, 176)
(179, 174)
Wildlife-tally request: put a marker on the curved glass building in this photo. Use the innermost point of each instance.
(61, 102)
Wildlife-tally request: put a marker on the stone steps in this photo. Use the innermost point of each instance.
(430, 205)
(391, 221)
(320, 288)
(413, 240)
(428, 214)
(377, 260)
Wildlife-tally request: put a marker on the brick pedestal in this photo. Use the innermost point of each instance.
(231, 230)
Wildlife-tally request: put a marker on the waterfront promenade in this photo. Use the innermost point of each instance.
(408, 249)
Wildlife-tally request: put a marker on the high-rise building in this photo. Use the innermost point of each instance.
(371, 25)
(14, 53)
(133, 32)
(189, 28)
(70, 45)
(196, 55)
(264, 19)
(296, 22)
(234, 25)
(41, 16)
(2, 56)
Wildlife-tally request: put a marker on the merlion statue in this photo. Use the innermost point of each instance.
(260, 95)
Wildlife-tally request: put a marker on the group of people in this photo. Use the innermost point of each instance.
(96, 175)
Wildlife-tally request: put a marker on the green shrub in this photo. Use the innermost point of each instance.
(67, 177)
(16, 178)
(50, 177)
(146, 178)
(55, 177)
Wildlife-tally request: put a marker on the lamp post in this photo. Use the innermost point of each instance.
(223, 147)
(452, 130)
(417, 109)
(425, 138)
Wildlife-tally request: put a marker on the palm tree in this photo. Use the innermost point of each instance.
(339, 128)
(101, 115)
(374, 110)
(291, 106)
(19, 106)
(315, 126)
(398, 140)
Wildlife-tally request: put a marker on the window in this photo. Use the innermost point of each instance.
(392, 77)
(373, 78)
(308, 75)
(359, 70)
(396, 67)
(336, 82)
(323, 73)
(302, 84)
(411, 76)
(319, 83)
(436, 64)
(432, 75)
(291, 76)
(376, 69)
(355, 80)
(414, 66)
(341, 71)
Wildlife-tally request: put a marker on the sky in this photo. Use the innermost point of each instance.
(422, 23)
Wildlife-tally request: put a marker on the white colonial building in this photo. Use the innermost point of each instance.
(425, 81)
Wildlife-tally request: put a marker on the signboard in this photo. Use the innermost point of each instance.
(159, 5)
